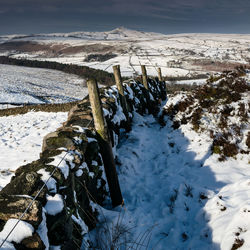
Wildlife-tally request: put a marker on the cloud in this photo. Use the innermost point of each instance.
(2, 11)
(167, 8)
(143, 13)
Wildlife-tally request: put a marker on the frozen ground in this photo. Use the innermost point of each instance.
(21, 139)
(177, 194)
(20, 85)
(177, 55)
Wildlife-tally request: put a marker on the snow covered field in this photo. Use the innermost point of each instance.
(21, 139)
(177, 55)
(20, 85)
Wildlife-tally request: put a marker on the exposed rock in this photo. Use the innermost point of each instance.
(248, 140)
(52, 141)
(32, 242)
(63, 138)
(27, 183)
(75, 121)
(35, 166)
(12, 207)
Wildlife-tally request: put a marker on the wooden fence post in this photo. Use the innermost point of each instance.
(104, 143)
(159, 74)
(118, 81)
(144, 76)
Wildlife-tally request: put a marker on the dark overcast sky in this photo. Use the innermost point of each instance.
(165, 16)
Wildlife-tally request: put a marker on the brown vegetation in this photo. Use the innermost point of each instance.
(216, 99)
(217, 66)
(53, 49)
(99, 57)
(58, 107)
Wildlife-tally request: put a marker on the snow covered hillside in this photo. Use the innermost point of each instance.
(22, 85)
(185, 181)
(177, 55)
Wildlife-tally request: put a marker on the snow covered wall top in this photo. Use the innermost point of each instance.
(68, 181)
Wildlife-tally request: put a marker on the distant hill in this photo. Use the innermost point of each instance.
(177, 55)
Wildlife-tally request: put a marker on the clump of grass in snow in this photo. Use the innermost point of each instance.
(172, 200)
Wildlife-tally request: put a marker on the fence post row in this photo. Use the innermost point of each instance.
(144, 76)
(123, 101)
(104, 143)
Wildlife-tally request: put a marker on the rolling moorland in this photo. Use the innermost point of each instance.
(191, 191)
(182, 54)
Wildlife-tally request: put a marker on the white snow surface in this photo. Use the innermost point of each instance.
(21, 231)
(54, 204)
(50, 181)
(22, 85)
(177, 194)
(60, 162)
(21, 138)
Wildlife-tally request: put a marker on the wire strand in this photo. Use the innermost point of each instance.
(32, 201)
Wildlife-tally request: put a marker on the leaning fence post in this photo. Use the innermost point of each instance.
(118, 81)
(104, 143)
(144, 76)
(159, 74)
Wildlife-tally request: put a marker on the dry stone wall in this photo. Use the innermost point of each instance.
(69, 176)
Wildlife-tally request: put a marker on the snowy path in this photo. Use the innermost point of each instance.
(161, 187)
(174, 188)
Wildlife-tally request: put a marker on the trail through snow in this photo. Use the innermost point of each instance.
(171, 187)
(157, 181)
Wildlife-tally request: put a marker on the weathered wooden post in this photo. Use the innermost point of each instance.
(104, 143)
(144, 76)
(162, 87)
(159, 74)
(118, 81)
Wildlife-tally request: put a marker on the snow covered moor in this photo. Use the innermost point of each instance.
(184, 172)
